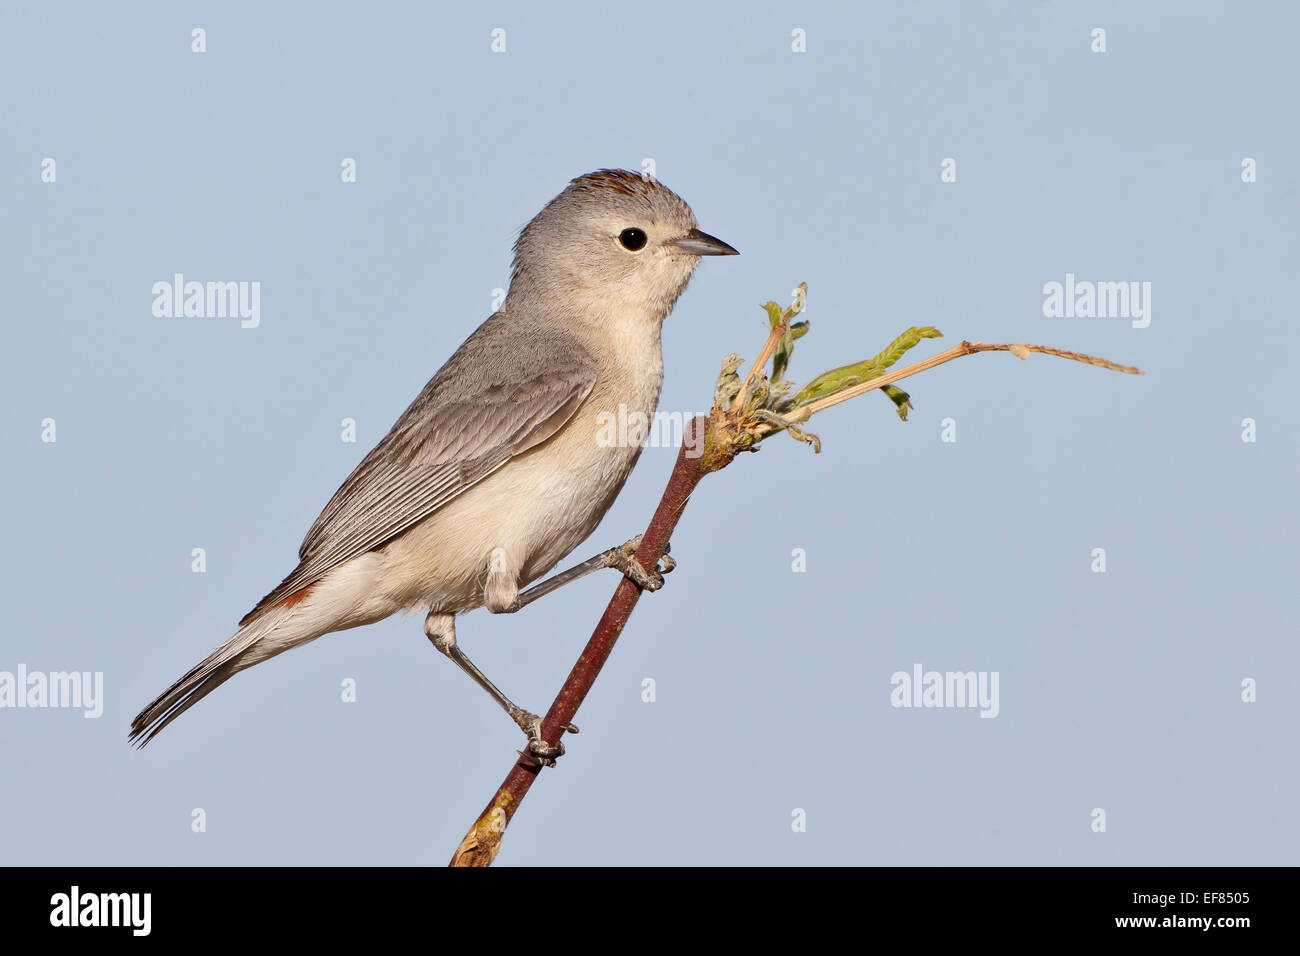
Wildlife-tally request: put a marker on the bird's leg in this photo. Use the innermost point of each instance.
(623, 558)
(441, 631)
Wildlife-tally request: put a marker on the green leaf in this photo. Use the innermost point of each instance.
(907, 340)
(846, 376)
(781, 356)
(900, 398)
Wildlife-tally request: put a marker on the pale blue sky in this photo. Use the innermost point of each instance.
(1119, 691)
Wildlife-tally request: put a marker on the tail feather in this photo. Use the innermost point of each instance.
(177, 699)
(247, 647)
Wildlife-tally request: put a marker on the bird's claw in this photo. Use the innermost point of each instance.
(539, 750)
(624, 559)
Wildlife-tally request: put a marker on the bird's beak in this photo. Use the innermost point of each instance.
(702, 244)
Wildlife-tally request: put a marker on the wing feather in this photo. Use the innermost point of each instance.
(471, 419)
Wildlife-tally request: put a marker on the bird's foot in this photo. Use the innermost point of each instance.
(539, 750)
(624, 559)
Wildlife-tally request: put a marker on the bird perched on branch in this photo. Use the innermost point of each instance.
(498, 469)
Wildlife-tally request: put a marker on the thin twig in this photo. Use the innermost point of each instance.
(483, 841)
(957, 351)
(760, 363)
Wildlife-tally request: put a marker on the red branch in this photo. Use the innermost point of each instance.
(481, 844)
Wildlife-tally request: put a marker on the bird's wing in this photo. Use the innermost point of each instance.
(474, 416)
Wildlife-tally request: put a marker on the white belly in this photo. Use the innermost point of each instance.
(537, 508)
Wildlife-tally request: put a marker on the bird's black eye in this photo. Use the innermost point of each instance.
(633, 239)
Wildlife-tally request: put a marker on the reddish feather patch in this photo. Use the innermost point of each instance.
(292, 600)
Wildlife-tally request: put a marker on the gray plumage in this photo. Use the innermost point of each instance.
(495, 471)
(490, 402)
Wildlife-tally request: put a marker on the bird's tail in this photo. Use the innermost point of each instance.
(267, 635)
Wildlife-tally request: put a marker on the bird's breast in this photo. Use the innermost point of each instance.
(540, 506)
(588, 462)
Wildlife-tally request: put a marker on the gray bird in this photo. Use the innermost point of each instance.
(498, 469)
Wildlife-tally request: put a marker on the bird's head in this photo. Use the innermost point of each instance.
(613, 242)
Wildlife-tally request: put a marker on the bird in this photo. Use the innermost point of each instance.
(498, 469)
